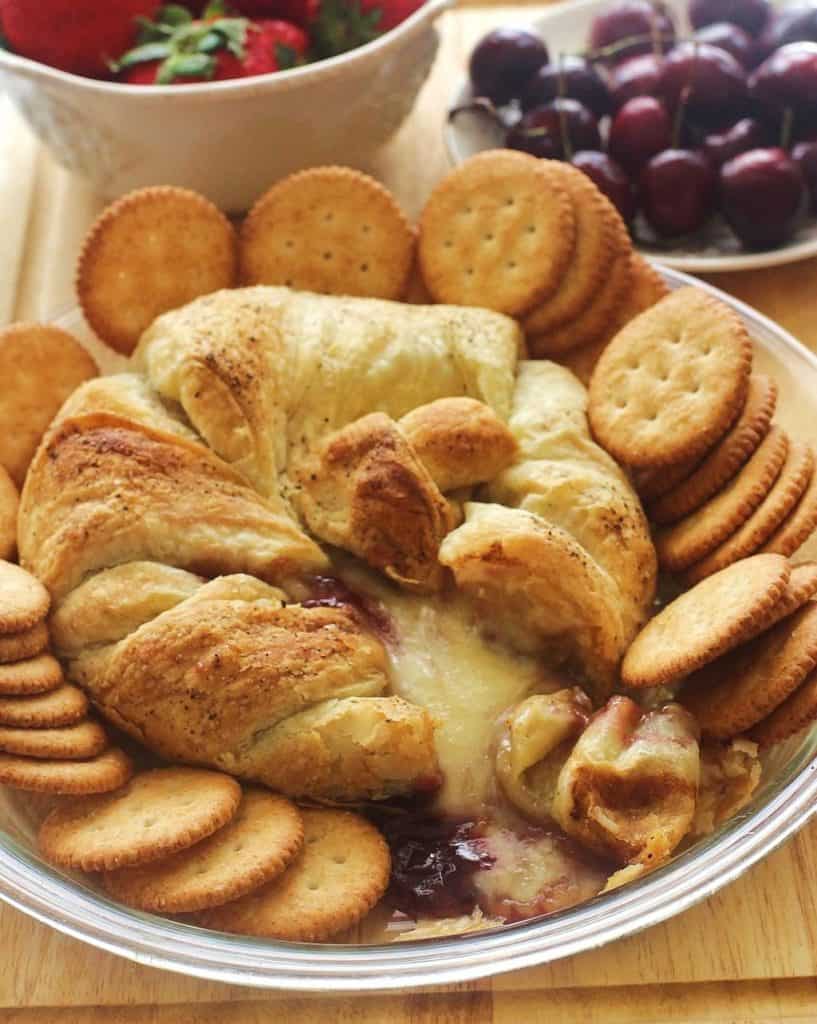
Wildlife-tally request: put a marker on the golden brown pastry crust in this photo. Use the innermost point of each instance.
(364, 489)
(460, 441)
(263, 692)
(102, 491)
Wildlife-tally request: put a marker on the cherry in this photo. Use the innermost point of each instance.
(731, 38)
(636, 76)
(750, 15)
(503, 61)
(792, 24)
(573, 77)
(763, 195)
(710, 79)
(555, 129)
(640, 129)
(629, 27)
(677, 191)
(745, 134)
(787, 79)
(804, 155)
(609, 178)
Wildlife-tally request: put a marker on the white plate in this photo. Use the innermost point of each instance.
(565, 27)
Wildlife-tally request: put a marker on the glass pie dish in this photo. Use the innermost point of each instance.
(784, 801)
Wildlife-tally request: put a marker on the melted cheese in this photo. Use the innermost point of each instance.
(439, 659)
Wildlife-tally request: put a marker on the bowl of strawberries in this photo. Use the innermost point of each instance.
(220, 96)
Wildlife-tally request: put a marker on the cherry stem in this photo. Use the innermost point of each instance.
(478, 105)
(563, 132)
(654, 38)
(678, 120)
(786, 128)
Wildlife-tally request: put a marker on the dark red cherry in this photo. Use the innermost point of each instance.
(572, 77)
(787, 79)
(792, 24)
(628, 27)
(636, 76)
(744, 135)
(503, 61)
(804, 155)
(640, 129)
(763, 196)
(609, 178)
(731, 38)
(677, 191)
(750, 15)
(555, 130)
(712, 81)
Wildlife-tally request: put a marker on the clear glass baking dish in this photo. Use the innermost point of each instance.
(785, 800)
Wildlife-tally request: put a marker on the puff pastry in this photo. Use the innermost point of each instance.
(261, 419)
(264, 692)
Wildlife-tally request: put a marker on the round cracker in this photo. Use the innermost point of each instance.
(597, 238)
(737, 691)
(653, 483)
(9, 507)
(672, 381)
(152, 251)
(341, 873)
(34, 675)
(680, 546)
(798, 526)
(750, 537)
(646, 288)
(69, 743)
(331, 230)
(255, 847)
(802, 586)
(596, 317)
(796, 712)
(706, 621)
(63, 706)
(158, 813)
(104, 773)
(497, 232)
(24, 600)
(40, 366)
(24, 646)
(730, 453)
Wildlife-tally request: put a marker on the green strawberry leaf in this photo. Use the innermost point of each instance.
(234, 33)
(186, 65)
(4, 43)
(215, 9)
(342, 26)
(141, 55)
(174, 15)
(210, 43)
(285, 57)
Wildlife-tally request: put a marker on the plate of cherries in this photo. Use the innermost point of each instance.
(698, 118)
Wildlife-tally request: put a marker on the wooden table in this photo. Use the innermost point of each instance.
(747, 954)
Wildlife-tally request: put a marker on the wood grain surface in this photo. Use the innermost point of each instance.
(747, 954)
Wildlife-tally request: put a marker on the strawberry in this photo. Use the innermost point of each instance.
(392, 12)
(181, 49)
(79, 36)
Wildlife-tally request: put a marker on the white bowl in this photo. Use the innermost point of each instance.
(229, 140)
(785, 800)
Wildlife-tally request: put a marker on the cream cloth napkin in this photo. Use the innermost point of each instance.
(18, 155)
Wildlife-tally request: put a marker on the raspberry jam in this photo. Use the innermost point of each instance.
(433, 864)
(331, 592)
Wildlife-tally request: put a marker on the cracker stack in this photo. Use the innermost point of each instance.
(181, 840)
(743, 642)
(537, 240)
(47, 740)
(674, 398)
